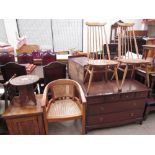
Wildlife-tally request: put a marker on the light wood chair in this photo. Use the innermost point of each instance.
(96, 39)
(128, 52)
(63, 100)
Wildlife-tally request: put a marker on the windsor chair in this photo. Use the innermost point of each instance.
(96, 38)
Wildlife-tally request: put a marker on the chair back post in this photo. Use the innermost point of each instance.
(125, 35)
(96, 38)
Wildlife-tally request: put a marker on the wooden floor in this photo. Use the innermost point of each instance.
(110, 87)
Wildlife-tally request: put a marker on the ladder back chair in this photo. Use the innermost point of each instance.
(128, 53)
(63, 100)
(96, 39)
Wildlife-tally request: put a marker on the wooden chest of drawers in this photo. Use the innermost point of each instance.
(106, 107)
(109, 110)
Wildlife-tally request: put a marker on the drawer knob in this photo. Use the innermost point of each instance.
(132, 114)
(134, 104)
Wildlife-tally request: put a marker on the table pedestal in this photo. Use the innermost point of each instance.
(26, 94)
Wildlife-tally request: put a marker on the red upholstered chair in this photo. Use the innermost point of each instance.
(25, 58)
(5, 58)
(48, 57)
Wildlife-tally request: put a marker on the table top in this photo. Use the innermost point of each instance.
(24, 80)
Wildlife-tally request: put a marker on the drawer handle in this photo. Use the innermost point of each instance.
(134, 104)
(132, 114)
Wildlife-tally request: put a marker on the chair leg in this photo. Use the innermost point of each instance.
(90, 79)
(116, 77)
(86, 74)
(46, 127)
(124, 76)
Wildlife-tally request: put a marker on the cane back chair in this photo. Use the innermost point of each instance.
(63, 100)
(128, 53)
(96, 38)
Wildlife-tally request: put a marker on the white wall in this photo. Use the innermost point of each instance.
(11, 31)
(138, 26)
(11, 28)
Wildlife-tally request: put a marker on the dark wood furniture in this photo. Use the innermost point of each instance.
(66, 102)
(54, 71)
(25, 58)
(6, 57)
(106, 107)
(26, 120)
(25, 86)
(11, 68)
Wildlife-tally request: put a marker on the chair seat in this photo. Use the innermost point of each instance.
(102, 62)
(64, 109)
(134, 61)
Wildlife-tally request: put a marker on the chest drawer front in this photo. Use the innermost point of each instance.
(114, 117)
(127, 96)
(93, 100)
(112, 98)
(95, 109)
(143, 94)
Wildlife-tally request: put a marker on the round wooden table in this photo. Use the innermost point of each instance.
(25, 86)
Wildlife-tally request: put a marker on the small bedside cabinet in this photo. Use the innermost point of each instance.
(25, 120)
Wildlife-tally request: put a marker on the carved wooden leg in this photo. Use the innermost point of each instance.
(124, 76)
(90, 79)
(31, 94)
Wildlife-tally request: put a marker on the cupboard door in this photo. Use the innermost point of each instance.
(24, 126)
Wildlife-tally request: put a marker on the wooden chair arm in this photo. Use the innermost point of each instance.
(81, 93)
(45, 97)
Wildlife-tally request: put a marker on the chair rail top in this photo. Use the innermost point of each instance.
(95, 24)
(125, 24)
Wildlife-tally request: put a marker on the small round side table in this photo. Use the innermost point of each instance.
(25, 86)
